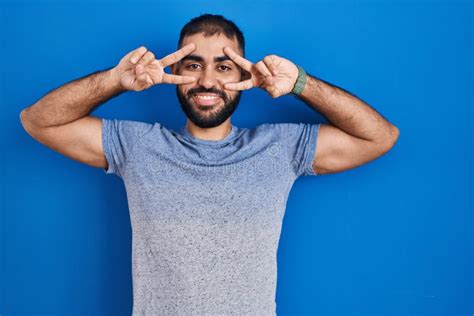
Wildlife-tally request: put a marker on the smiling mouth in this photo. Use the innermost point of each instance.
(206, 98)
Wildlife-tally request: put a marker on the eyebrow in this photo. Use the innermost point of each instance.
(217, 59)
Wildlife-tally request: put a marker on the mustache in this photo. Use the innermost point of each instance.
(204, 90)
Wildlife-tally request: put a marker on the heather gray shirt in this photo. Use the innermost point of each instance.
(206, 215)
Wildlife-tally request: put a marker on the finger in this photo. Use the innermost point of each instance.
(137, 54)
(177, 56)
(239, 60)
(263, 69)
(175, 79)
(147, 58)
(269, 81)
(270, 62)
(243, 85)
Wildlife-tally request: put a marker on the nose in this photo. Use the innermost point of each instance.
(207, 79)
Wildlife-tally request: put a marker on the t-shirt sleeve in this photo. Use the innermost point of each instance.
(118, 140)
(299, 144)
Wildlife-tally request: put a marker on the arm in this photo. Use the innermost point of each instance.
(61, 120)
(357, 133)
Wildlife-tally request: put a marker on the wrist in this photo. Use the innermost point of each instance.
(115, 80)
(300, 81)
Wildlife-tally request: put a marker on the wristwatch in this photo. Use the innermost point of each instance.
(300, 81)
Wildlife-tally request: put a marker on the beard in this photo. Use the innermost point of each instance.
(207, 116)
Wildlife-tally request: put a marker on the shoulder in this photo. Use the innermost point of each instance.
(127, 129)
(287, 130)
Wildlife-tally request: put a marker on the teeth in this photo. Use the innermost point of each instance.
(205, 97)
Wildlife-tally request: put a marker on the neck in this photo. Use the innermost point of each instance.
(213, 133)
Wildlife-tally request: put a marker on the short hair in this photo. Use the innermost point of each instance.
(211, 24)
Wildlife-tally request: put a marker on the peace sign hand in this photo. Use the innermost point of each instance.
(139, 69)
(274, 74)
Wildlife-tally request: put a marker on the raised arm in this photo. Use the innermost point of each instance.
(61, 121)
(356, 134)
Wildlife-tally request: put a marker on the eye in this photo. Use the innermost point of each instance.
(228, 68)
(190, 66)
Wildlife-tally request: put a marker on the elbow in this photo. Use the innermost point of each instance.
(386, 140)
(390, 138)
(394, 134)
(26, 123)
(23, 119)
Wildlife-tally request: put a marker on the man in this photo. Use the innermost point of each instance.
(207, 202)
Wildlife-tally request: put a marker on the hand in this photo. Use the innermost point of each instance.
(274, 74)
(139, 69)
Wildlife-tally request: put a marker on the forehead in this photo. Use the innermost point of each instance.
(211, 46)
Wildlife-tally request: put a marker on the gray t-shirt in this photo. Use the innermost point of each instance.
(206, 215)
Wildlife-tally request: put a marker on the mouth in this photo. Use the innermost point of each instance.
(206, 99)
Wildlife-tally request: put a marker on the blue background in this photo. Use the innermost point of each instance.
(392, 237)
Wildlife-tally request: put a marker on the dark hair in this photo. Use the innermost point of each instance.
(211, 24)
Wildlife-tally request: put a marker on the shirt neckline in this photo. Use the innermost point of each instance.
(213, 143)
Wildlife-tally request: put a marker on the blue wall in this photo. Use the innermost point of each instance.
(393, 237)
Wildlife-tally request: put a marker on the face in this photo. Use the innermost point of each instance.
(205, 102)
